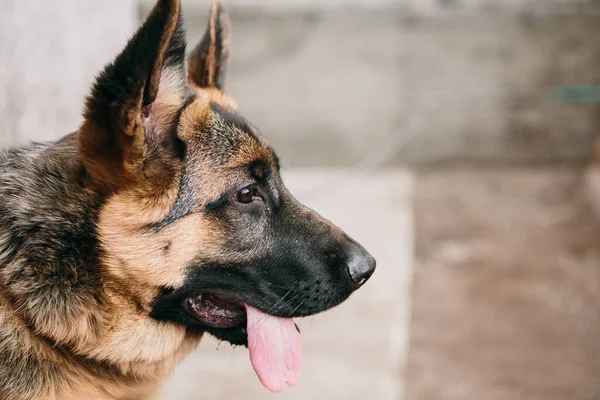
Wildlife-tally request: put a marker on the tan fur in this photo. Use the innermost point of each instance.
(138, 374)
(133, 254)
(168, 101)
(206, 63)
(195, 116)
(211, 60)
(250, 151)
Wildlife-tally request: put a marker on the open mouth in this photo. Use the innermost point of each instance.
(274, 343)
(217, 310)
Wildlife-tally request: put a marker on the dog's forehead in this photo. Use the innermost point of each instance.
(219, 137)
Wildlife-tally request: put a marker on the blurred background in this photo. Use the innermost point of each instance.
(456, 139)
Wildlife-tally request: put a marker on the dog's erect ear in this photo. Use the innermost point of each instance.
(136, 98)
(208, 61)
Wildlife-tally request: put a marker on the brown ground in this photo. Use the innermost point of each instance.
(507, 287)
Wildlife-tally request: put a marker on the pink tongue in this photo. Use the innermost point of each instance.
(275, 349)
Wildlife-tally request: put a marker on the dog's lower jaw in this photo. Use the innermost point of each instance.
(235, 336)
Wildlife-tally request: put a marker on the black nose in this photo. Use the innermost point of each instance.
(361, 266)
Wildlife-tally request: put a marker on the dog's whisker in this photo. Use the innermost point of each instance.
(274, 310)
(274, 307)
(299, 305)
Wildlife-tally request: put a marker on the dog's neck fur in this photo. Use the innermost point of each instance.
(53, 305)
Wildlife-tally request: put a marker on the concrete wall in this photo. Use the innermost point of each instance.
(420, 7)
(442, 80)
(49, 54)
(336, 87)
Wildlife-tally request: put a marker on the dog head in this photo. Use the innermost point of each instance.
(198, 223)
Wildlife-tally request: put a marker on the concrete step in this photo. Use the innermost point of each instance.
(507, 286)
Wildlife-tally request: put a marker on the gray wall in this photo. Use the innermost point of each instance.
(49, 54)
(338, 86)
(441, 80)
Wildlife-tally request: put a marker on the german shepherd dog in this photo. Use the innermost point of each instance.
(162, 218)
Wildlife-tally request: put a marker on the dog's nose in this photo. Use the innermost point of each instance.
(361, 266)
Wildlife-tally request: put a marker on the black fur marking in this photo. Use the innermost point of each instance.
(167, 247)
(129, 74)
(184, 205)
(260, 171)
(217, 204)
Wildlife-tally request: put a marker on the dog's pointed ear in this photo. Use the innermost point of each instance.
(208, 61)
(136, 96)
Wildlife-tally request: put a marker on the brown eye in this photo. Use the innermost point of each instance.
(247, 195)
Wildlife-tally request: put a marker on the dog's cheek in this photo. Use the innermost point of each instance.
(245, 233)
(154, 257)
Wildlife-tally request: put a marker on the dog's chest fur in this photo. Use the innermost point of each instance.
(54, 310)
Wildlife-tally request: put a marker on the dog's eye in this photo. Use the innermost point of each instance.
(247, 195)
